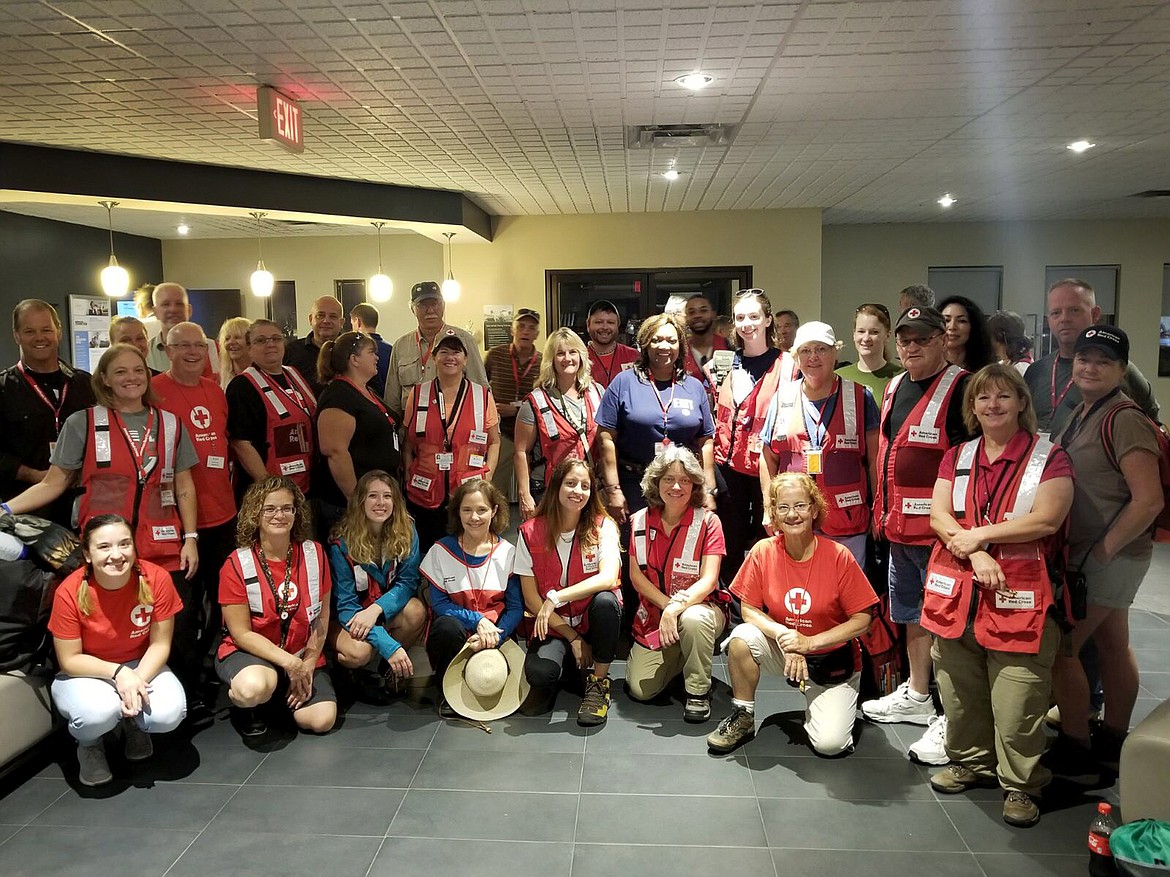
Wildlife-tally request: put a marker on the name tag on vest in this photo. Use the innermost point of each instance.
(915, 506)
(477, 438)
(686, 567)
(924, 435)
(215, 462)
(445, 461)
(420, 482)
(590, 563)
(848, 500)
(164, 533)
(476, 461)
(845, 442)
(292, 467)
(1015, 600)
(941, 584)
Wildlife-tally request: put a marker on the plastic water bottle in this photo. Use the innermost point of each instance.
(1101, 862)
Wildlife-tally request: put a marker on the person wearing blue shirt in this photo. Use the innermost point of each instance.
(651, 406)
(374, 559)
(364, 318)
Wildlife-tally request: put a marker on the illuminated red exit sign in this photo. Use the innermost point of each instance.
(280, 119)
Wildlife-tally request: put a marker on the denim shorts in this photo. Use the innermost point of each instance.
(907, 581)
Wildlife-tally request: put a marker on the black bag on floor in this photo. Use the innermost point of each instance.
(26, 598)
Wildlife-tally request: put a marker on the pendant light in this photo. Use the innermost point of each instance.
(115, 279)
(262, 280)
(380, 286)
(450, 287)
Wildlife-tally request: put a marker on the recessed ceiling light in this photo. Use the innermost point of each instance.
(1080, 146)
(695, 81)
(183, 228)
(670, 175)
(946, 200)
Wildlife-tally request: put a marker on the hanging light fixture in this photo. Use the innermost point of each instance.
(262, 279)
(450, 287)
(380, 286)
(115, 279)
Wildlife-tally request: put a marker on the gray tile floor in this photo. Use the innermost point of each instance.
(394, 791)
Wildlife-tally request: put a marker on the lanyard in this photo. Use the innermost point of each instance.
(289, 388)
(463, 555)
(516, 373)
(607, 370)
(816, 434)
(424, 356)
(282, 601)
(372, 398)
(669, 402)
(36, 388)
(1077, 423)
(990, 495)
(143, 464)
(449, 422)
(579, 428)
(1052, 397)
(660, 568)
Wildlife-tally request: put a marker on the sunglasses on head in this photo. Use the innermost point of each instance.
(753, 291)
(885, 310)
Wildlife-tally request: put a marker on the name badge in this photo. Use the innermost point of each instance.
(292, 467)
(1015, 600)
(812, 461)
(166, 497)
(216, 462)
(661, 446)
(165, 533)
(590, 563)
(420, 482)
(940, 584)
(924, 435)
(314, 612)
(626, 366)
(686, 567)
(444, 461)
(915, 506)
(848, 500)
(845, 442)
(477, 438)
(476, 461)
(396, 447)
(52, 447)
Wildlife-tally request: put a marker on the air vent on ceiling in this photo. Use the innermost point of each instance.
(650, 136)
(300, 223)
(1152, 193)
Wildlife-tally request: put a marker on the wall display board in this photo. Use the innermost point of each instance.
(89, 329)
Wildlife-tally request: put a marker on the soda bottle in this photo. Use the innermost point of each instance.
(1101, 862)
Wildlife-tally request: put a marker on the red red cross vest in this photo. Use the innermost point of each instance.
(559, 438)
(429, 481)
(546, 569)
(909, 464)
(261, 604)
(110, 477)
(842, 476)
(737, 427)
(290, 426)
(680, 567)
(1003, 622)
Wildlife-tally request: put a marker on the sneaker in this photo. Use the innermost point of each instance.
(248, 722)
(698, 708)
(956, 779)
(899, 706)
(136, 744)
(736, 729)
(93, 770)
(1072, 760)
(1052, 717)
(595, 705)
(931, 747)
(1020, 809)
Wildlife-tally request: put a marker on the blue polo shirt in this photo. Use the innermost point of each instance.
(632, 408)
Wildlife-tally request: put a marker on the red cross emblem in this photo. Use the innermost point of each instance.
(798, 601)
(913, 313)
(201, 417)
(141, 614)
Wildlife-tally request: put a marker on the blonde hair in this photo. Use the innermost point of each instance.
(235, 324)
(101, 390)
(84, 595)
(998, 376)
(564, 337)
(397, 533)
(805, 483)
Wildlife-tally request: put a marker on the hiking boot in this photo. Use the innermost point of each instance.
(931, 747)
(1072, 760)
(136, 743)
(92, 767)
(736, 729)
(595, 704)
(899, 706)
(1107, 744)
(248, 722)
(1020, 809)
(698, 708)
(956, 779)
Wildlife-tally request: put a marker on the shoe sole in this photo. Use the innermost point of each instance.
(1019, 823)
(697, 718)
(591, 722)
(918, 759)
(959, 790)
(898, 720)
(93, 785)
(723, 750)
(139, 756)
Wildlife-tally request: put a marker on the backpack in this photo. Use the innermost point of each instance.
(1162, 522)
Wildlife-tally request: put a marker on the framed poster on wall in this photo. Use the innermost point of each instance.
(89, 329)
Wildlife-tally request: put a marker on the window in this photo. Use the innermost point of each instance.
(982, 284)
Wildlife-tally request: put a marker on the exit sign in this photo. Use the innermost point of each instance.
(280, 119)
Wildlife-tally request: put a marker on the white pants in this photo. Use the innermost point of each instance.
(829, 711)
(92, 706)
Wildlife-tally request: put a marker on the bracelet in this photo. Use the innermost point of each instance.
(194, 536)
(612, 487)
(118, 670)
(555, 597)
(6, 507)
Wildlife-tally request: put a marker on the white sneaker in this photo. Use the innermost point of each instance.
(899, 706)
(931, 746)
(93, 770)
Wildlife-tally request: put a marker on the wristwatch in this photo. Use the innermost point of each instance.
(712, 491)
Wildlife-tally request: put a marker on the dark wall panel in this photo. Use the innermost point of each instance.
(40, 258)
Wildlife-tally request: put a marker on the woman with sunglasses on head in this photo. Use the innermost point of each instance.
(968, 344)
(559, 413)
(235, 351)
(112, 625)
(743, 401)
(871, 337)
(374, 559)
(355, 431)
(274, 590)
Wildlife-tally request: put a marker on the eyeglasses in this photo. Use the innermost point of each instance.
(873, 304)
(268, 339)
(284, 511)
(799, 507)
(429, 304)
(184, 346)
(907, 343)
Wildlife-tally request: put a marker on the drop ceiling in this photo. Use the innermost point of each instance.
(868, 110)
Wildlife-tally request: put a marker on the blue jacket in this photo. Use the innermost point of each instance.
(398, 582)
(379, 380)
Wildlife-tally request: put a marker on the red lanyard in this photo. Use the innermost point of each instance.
(138, 452)
(669, 402)
(683, 524)
(608, 371)
(1052, 386)
(478, 586)
(424, 356)
(516, 373)
(36, 388)
(371, 397)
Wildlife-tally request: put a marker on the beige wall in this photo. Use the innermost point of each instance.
(872, 262)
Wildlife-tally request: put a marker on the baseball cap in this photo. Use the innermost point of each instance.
(426, 289)
(529, 313)
(814, 330)
(602, 304)
(449, 338)
(925, 321)
(1110, 340)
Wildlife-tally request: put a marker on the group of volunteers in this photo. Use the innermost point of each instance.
(289, 516)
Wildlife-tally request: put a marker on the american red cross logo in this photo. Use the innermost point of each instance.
(141, 614)
(201, 417)
(797, 601)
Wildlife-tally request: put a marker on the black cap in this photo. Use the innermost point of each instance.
(529, 313)
(603, 304)
(426, 289)
(1110, 340)
(926, 321)
(449, 338)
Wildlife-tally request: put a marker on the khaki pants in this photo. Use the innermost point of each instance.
(648, 672)
(504, 477)
(995, 704)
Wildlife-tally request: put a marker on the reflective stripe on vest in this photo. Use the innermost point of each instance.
(1029, 481)
(273, 392)
(690, 551)
(540, 397)
(423, 404)
(101, 435)
(933, 408)
(247, 559)
(168, 433)
(791, 391)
